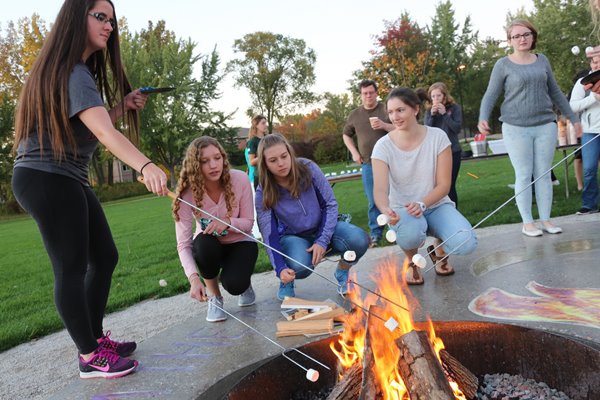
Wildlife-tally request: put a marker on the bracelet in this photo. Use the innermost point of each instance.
(421, 205)
(192, 276)
(144, 166)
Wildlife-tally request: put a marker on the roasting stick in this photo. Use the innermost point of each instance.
(311, 374)
(493, 212)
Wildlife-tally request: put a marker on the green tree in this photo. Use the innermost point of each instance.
(449, 44)
(337, 108)
(277, 70)
(562, 24)
(169, 122)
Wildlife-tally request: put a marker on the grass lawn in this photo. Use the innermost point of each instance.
(145, 235)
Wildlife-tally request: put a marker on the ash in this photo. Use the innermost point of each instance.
(321, 394)
(515, 387)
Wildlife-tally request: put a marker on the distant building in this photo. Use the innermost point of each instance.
(121, 172)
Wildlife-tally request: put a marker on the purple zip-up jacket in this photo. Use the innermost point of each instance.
(314, 213)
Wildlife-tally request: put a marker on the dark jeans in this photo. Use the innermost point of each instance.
(455, 169)
(80, 246)
(235, 261)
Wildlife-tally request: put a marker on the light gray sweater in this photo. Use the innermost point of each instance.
(587, 106)
(530, 90)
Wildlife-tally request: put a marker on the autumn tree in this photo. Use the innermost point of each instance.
(277, 70)
(401, 58)
(19, 45)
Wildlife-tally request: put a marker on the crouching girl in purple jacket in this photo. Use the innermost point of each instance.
(298, 215)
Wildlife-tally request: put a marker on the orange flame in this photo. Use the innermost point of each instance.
(349, 348)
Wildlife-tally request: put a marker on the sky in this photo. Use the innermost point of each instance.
(340, 31)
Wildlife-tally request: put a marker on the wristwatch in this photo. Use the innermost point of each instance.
(422, 205)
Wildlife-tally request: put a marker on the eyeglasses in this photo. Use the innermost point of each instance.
(103, 18)
(524, 35)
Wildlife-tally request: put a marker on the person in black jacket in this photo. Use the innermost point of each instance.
(444, 113)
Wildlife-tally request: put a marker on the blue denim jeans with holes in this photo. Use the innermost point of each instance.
(345, 237)
(590, 155)
(444, 222)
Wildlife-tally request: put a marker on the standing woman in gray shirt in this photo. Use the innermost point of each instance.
(60, 119)
(528, 122)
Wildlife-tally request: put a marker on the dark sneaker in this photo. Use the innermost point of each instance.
(123, 349)
(286, 290)
(247, 298)
(585, 210)
(105, 364)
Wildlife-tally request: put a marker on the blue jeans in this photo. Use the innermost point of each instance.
(590, 155)
(531, 151)
(441, 222)
(345, 237)
(367, 179)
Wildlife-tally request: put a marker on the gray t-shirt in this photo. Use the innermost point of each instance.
(358, 124)
(83, 94)
(412, 173)
(530, 90)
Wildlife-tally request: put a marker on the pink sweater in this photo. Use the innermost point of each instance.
(242, 217)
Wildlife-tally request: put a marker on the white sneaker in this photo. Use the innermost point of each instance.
(247, 298)
(214, 311)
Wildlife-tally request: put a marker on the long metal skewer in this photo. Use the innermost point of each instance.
(496, 210)
(274, 342)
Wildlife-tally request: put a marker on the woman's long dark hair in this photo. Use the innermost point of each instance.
(44, 101)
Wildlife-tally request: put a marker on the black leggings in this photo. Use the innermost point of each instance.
(80, 246)
(235, 261)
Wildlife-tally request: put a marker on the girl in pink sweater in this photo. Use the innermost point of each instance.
(214, 250)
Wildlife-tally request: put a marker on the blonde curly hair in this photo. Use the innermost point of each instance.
(192, 177)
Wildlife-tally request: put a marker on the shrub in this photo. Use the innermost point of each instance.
(119, 191)
(330, 149)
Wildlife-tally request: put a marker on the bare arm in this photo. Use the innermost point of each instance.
(97, 120)
(443, 178)
(349, 142)
(252, 159)
(381, 189)
(134, 100)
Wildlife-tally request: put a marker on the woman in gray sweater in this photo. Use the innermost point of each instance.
(528, 122)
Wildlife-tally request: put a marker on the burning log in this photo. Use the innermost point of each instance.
(465, 379)
(369, 388)
(420, 369)
(358, 380)
(348, 387)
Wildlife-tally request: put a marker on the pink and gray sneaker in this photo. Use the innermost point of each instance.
(123, 349)
(105, 364)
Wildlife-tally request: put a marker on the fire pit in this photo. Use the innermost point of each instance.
(484, 348)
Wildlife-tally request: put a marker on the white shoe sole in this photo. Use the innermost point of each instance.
(554, 230)
(532, 233)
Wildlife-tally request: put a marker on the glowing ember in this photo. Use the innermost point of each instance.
(349, 348)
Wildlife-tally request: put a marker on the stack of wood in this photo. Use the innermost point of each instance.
(307, 317)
